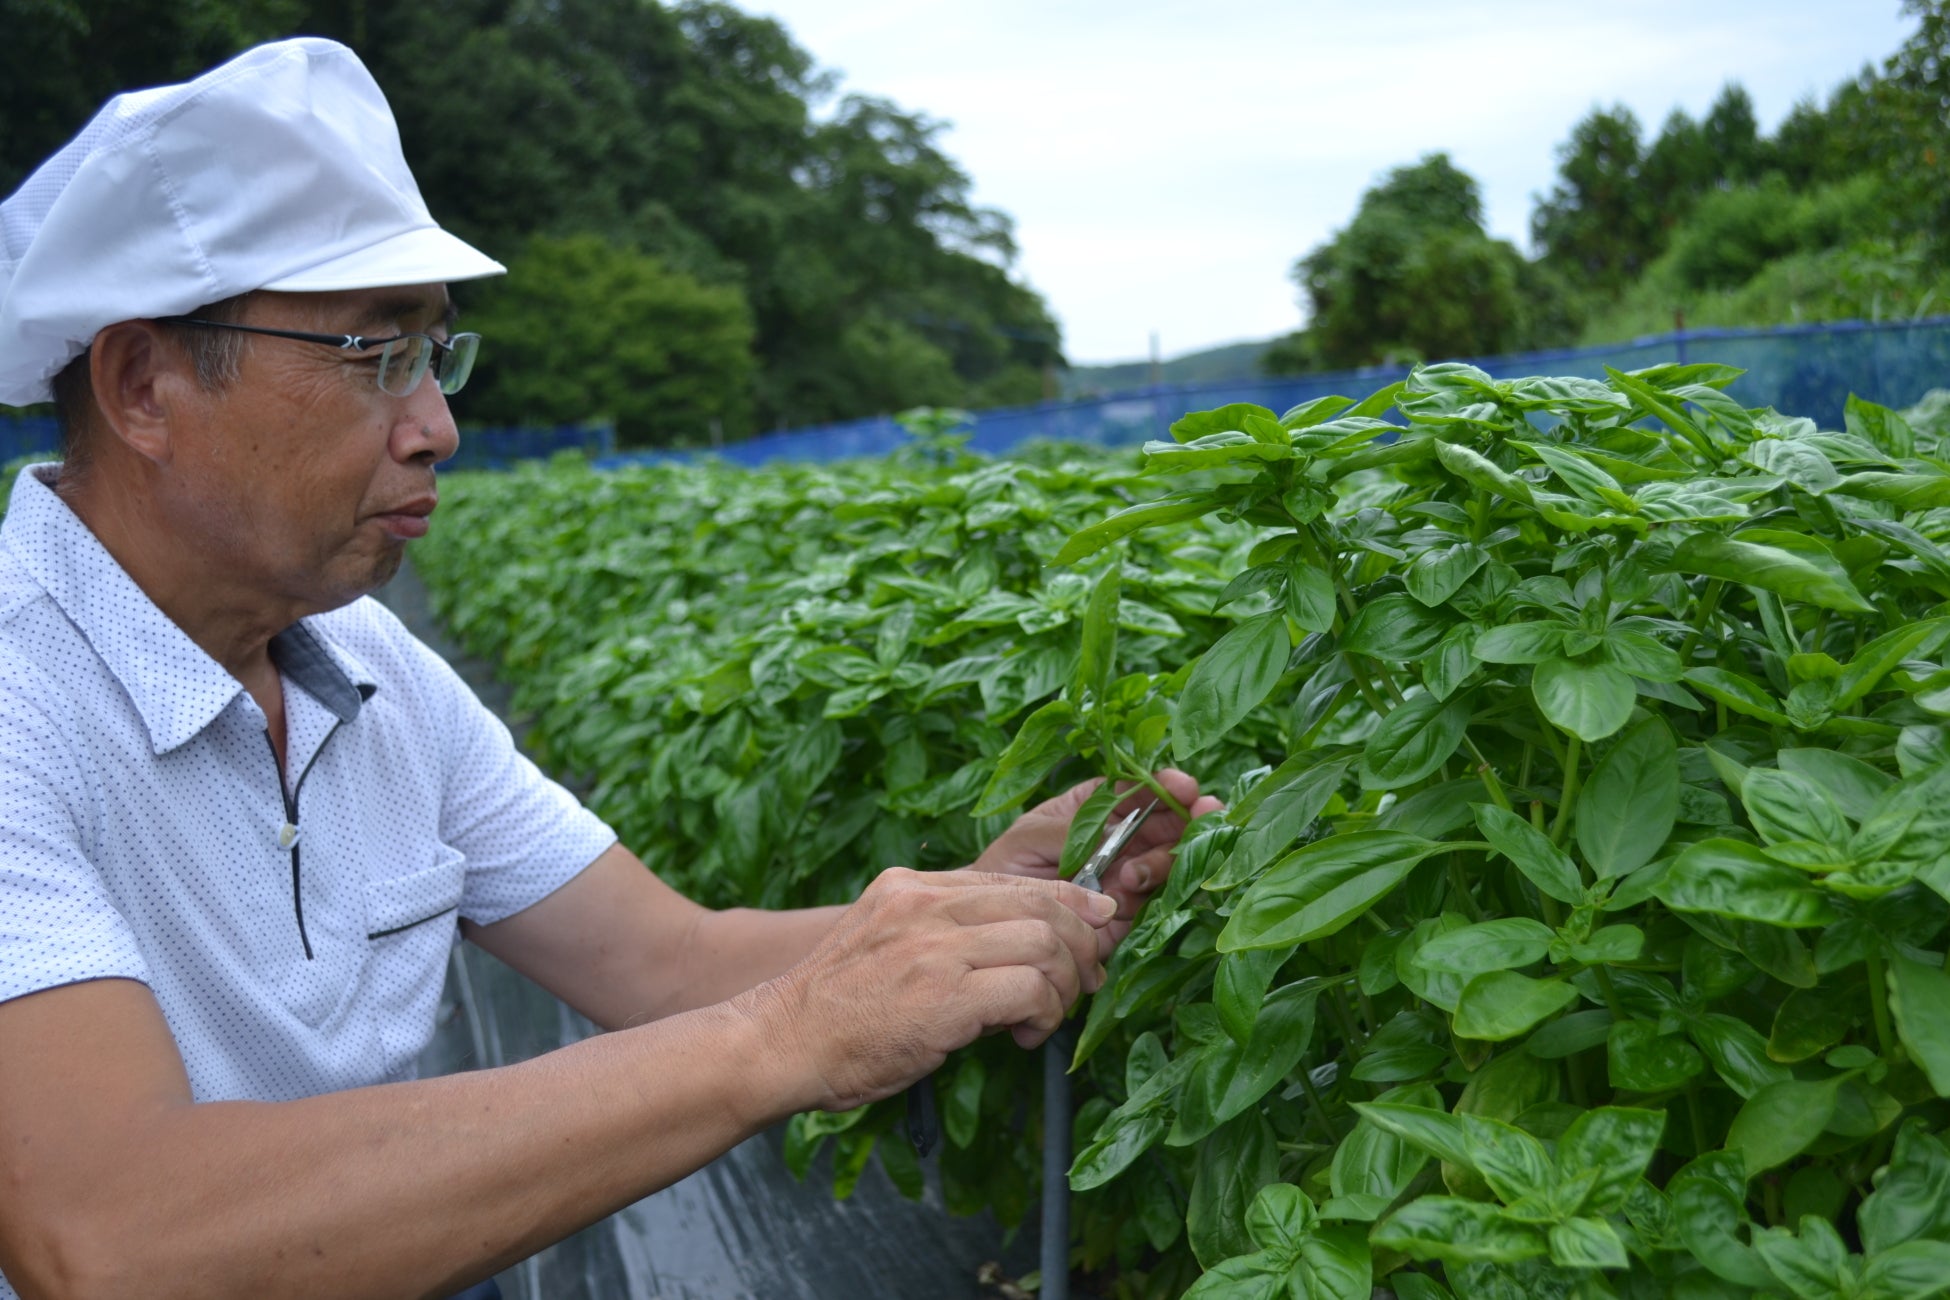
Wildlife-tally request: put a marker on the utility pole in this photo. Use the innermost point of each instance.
(1157, 364)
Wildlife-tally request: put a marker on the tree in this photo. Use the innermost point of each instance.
(1415, 277)
(581, 329)
(1595, 227)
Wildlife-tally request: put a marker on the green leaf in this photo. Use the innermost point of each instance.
(1544, 863)
(1477, 471)
(1257, 1276)
(1737, 693)
(1640, 1058)
(1232, 1076)
(1451, 1229)
(1794, 574)
(1736, 880)
(1586, 1243)
(1888, 431)
(1780, 1121)
(1629, 805)
(1617, 1141)
(1709, 1213)
(961, 1109)
(1229, 681)
(1783, 806)
(1591, 701)
(1087, 829)
(1224, 419)
(1661, 406)
(1814, 1265)
(1488, 945)
(1379, 1163)
(1097, 663)
(1501, 1004)
(1319, 888)
(1166, 510)
(1213, 451)
(1334, 1264)
(1915, 1270)
(1851, 783)
(1912, 1193)
(1309, 596)
(1438, 573)
(1737, 1053)
(1231, 1166)
(1877, 659)
(1919, 998)
(1416, 738)
(1280, 1218)
(1428, 1128)
(1521, 643)
(1038, 746)
(1394, 628)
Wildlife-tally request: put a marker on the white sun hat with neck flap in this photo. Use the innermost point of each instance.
(279, 170)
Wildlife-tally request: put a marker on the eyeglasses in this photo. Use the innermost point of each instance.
(403, 359)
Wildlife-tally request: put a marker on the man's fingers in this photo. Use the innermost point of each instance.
(993, 887)
(1036, 945)
(989, 909)
(1019, 999)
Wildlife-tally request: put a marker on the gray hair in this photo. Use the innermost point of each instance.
(217, 356)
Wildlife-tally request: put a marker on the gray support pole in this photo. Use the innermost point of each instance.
(1056, 1166)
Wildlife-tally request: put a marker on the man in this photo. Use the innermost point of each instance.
(241, 809)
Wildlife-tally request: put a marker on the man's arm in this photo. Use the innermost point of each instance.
(114, 1183)
(622, 947)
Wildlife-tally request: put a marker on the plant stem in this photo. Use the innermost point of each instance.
(1135, 772)
(1610, 991)
(1460, 884)
(1709, 606)
(1879, 1005)
(1568, 797)
(1488, 773)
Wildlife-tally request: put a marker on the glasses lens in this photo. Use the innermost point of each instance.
(402, 362)
(457, 361)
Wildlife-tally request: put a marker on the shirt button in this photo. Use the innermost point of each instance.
(287, 836)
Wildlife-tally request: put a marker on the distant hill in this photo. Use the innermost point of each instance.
(1233, 361)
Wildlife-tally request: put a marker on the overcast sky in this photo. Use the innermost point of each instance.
(1165, 163)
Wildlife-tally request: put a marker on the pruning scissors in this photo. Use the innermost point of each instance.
(1091, 875)
(923, 1122)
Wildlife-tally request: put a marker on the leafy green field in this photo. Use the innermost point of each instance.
(1576, 927)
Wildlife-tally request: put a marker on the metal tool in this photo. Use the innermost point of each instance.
(923, 1119)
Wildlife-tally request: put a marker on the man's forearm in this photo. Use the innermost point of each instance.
(404, 1189)
(742, 947)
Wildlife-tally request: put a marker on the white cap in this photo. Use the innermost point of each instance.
(280, 170)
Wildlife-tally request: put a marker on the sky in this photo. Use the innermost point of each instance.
(1166, 162)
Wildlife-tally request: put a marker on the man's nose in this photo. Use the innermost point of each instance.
(426, 428)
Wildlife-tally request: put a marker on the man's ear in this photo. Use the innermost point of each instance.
(142, 383)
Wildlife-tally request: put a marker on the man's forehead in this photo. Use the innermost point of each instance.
(360, 311)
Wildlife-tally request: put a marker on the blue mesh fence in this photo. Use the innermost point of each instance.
(490, 448)
(1802, 370)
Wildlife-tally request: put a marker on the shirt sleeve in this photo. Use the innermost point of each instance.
(57, 925)
(523, 834)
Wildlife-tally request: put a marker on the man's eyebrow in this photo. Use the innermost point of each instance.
(402, 307)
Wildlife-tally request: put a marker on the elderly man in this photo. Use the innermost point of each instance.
(242, 810)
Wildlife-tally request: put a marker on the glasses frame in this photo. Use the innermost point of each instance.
(455, 354)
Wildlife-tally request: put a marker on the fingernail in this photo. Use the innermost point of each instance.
(1140, 878)
(1103, 905)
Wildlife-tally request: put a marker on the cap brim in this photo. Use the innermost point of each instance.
(426, 256)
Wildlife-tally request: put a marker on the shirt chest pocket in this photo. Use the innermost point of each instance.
(410, 922)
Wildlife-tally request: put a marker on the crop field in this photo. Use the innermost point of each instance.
(1577, 924)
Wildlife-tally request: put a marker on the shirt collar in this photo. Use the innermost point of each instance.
(176, 687)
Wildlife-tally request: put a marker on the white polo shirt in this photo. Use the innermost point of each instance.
(295, 933)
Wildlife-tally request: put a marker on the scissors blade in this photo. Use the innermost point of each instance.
(1091, 877)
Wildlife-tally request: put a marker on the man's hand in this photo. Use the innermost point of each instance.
(922, 964)
(1033, 846)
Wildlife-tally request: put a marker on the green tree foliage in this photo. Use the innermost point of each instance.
(583, 328)
(1415, 276)
(684, 133)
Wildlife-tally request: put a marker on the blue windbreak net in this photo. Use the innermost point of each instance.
(1801, 370)
(492, 448)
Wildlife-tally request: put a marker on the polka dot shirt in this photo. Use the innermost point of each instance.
(295, 931)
